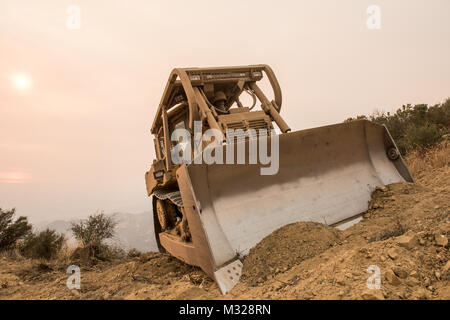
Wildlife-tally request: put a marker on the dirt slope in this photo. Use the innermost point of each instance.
(404, 233)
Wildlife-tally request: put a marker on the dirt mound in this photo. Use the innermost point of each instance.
(286, 247)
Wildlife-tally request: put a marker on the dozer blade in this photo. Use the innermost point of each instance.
(326, 175)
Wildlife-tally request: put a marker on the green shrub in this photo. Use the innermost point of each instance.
(423, 136)
(45, 244)
(414, 127)
(94, 230)
(12, 231)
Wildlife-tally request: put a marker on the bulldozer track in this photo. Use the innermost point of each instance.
(173, 196)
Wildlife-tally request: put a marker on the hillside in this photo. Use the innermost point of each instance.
(404, 233)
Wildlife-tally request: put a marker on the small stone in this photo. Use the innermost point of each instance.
(408, 241)
(392, 278)
(441, 240)
(377, 206)
(437, 207)
(422, 294)
(414, 274)
(446, 267)
(412, 282)
(383, 258)
(400, 272)
(381, 188)
(372, 295)
(437, 274)
(75, 293)
(340, 280)
(392, 253)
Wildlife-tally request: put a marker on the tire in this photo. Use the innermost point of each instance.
(166, 213)
(171, 213)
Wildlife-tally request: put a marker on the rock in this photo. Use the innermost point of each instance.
(381, 188)
(377, 206)
(372, 295)
(422, 294)
(446, 267)
(412, 282)
(400, 272)
(340, 280)
(392, 253)
(75, 292)
(437, 274)
(441, 240)
(408, 240)
(414, 274)
(392, 278)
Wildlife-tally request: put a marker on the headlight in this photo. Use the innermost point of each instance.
(158, 174)
(256, 74)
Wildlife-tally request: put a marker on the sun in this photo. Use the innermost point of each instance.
(21, 81)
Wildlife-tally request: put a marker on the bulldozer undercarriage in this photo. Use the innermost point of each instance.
(171, 218)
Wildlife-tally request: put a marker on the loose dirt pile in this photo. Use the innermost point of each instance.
(403, 239)
(287, 247)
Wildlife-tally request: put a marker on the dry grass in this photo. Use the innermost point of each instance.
(438, 156)
(63, 258)
(11, 254)
(64, 255)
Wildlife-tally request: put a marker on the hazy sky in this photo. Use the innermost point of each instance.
(76, 105)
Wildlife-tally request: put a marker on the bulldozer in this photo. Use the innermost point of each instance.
(210, 214)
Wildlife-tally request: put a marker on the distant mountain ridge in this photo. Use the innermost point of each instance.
(132, 230)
